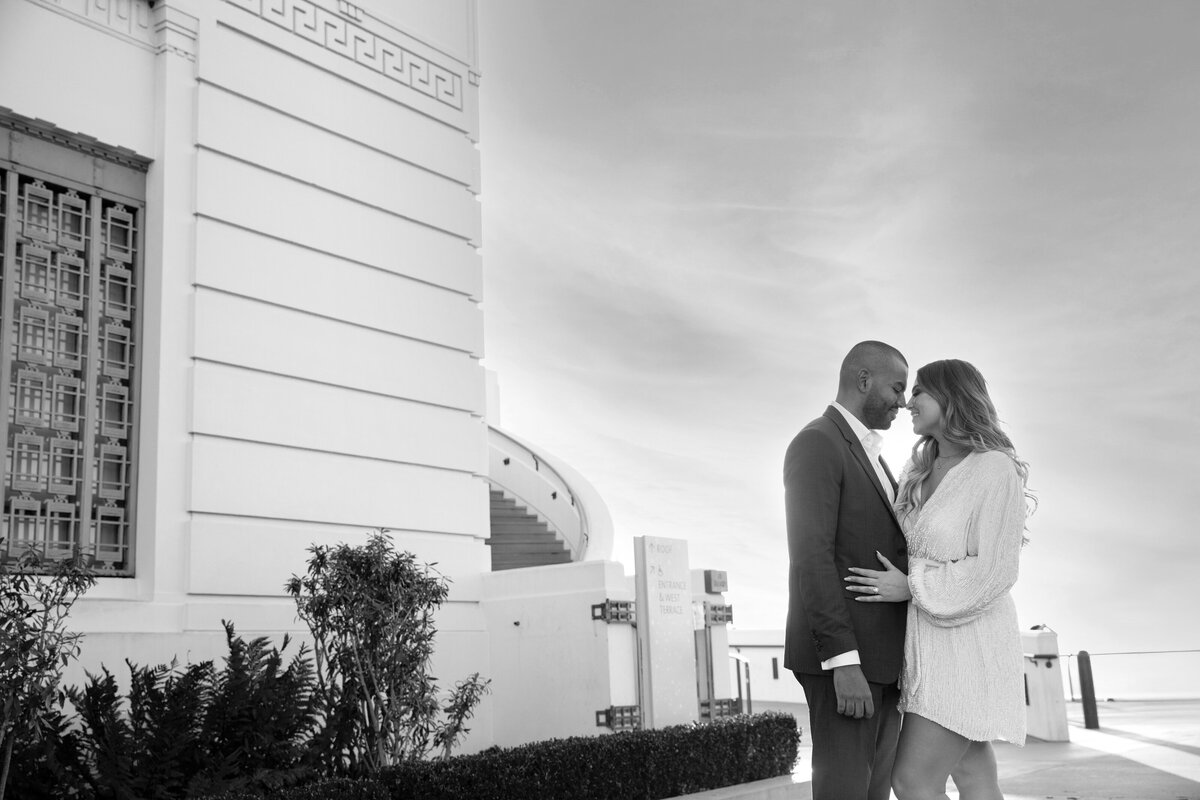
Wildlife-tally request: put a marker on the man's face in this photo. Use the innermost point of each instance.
(885, 394)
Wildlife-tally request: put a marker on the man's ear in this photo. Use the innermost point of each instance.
(864, 379)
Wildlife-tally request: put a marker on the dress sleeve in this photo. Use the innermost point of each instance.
(956, 592)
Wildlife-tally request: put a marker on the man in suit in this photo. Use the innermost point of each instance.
(847, 655)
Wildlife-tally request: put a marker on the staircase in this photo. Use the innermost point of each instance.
(520, 539)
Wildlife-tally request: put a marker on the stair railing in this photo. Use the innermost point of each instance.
(516, 469)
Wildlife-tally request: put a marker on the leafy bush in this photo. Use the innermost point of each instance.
(254, 726)
(186, 732)
(36, 595)
(370, 610)
(152, 750)
(260, 715)
(47, 766)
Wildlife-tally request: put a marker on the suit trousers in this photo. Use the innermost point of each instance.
(852, 758)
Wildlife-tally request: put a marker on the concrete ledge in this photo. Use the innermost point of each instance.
(781, 788)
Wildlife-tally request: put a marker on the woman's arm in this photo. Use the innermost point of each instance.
(888, 585)
(956, 592)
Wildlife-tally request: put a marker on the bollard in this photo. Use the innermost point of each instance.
(1045, 707)
(1087, 691)
(749, 707)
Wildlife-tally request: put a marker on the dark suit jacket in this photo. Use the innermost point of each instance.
(838, 515)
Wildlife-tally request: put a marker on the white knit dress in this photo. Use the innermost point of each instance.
(963, 666)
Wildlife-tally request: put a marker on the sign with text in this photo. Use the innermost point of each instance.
(664, 630)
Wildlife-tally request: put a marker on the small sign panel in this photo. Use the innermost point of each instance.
(716, 581)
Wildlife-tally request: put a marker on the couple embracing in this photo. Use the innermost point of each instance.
(901, 629)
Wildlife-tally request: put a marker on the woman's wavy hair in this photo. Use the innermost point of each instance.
(970, 420)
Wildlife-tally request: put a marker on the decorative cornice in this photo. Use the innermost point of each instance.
(338, 32)
(175, 32)
(127, 19)
(40, 129)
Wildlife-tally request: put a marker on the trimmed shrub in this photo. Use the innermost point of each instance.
(638, 765)
(328, 789)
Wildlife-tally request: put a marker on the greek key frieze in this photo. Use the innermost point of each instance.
(337, 34)
(129, 18)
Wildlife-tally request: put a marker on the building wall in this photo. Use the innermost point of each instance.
(311, 322)
(553, 665)
(763, 651)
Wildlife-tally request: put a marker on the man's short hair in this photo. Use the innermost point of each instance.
(871, 352)
(870, 355)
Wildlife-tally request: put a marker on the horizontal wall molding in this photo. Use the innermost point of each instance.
(291, 210)
(255, 406)
(256, 134)
(243, 262)
(211, 571)
(394, 127)
(247, 479)
(243, 332)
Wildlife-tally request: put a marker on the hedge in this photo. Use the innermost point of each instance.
(636, 765)
(327, 789)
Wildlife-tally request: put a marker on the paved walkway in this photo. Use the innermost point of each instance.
(1144, 750)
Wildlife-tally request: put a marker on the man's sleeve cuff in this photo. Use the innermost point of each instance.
(842, 660)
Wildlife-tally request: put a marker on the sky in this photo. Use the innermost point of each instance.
(692, 210)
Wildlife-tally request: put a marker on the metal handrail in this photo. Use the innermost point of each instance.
(1087, 693)
(1135, 653)
(542, 467)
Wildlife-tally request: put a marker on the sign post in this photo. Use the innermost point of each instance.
(664, 632)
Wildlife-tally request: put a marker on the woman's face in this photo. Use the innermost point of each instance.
(926, 412)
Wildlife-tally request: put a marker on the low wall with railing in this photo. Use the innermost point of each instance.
(1137, 674)
(552, 490)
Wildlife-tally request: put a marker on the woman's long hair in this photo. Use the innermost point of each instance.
(970, 420)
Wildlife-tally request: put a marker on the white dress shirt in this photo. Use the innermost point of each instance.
(872, 442)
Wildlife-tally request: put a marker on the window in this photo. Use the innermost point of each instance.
(775, 668)
(69, 322)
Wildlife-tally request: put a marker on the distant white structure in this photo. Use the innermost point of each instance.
(761, 655)
(240, 315)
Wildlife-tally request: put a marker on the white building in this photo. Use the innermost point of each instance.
(240, 315)
(764, 677)
(241, 304)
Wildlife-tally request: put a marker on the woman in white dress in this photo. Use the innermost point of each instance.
(962, 506)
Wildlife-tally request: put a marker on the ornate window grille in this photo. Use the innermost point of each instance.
(69, 324)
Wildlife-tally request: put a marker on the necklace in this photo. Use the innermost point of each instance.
(945, 462)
